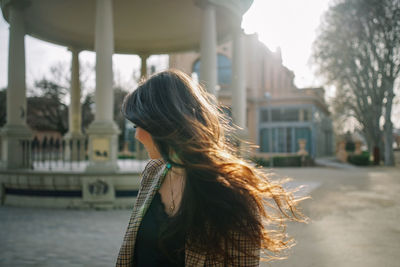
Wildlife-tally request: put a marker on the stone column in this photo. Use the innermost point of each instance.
(75, 148)
(103, 132)
(239, 99)
(208, 48)
(143, 66)
(140, 150)
(238, 81)
(16, 134)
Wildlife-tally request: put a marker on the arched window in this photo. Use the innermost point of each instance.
(224, 69)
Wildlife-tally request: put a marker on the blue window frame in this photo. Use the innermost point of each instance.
(224, 69)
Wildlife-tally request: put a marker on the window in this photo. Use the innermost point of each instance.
(306, 115)
(224, 69)
(264, 115)
(277, 140)
(289, 140)
(290, 115)
(276, 115)
(281, 140)
(264, 140)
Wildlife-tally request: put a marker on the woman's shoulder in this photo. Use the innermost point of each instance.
(153, 168)
(154, 164)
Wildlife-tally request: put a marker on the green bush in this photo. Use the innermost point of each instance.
(359, 160)
(260, 161)
(283, 161)
(286, 161)
(126, 157)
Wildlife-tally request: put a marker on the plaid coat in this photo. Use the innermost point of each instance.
(152, 178)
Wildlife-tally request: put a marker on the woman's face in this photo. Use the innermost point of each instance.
(145, 138)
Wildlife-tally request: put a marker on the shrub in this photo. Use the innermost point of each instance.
(359, 160)
(260, 161)
(126, 157)
(286, 161)
(283, 161)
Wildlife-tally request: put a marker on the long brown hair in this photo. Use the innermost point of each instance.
(223, 193)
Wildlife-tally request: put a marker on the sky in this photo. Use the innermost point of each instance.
(288, 24)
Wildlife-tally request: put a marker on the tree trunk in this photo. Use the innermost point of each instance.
(388, 130)
(377, 157)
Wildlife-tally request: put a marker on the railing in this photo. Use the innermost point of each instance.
(57, 154)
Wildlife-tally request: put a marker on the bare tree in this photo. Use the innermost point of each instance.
(358, 50)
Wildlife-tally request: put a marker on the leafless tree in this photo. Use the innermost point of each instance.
(358, 50)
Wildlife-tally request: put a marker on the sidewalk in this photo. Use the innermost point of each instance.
(332, 162)
(353, 218)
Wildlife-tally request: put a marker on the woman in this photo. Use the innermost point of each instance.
(198, 204)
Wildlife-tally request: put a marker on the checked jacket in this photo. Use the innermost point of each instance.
(152, 178)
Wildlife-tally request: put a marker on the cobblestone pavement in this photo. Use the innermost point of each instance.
(55, 237)
(354, 222)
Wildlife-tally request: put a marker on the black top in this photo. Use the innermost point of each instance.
(148, 250)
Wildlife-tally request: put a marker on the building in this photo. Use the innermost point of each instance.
(278, 113)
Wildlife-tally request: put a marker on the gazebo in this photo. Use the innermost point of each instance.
(106, 27)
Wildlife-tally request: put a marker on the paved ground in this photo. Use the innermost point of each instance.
(354, 219)
(354, 222)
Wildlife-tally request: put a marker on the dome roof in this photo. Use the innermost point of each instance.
(140, 27)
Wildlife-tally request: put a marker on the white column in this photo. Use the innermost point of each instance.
(238, 81)
(16, 93)
(14, 155)
(103, 132)
(75, 152)
(239, 100)
(75, 113)
(104, 47)
(140, 150)
(143, 66)
(208, 49)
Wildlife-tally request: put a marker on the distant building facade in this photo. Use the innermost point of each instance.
(278, 113)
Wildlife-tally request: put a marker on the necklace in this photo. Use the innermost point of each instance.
(172, 206)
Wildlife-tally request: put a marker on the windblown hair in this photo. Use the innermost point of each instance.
(223, 193)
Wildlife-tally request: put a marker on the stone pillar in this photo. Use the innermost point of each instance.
(143, 66)
(341, 153)
(16, 134)
(239, 99)
(358, 150)
(208, 48)
(238, 81)
(103, 132)
(140, 152)
(75, 148)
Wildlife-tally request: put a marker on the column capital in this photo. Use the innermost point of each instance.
(144, 56)
(74, 49)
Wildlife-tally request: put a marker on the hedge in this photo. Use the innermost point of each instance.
(283, 161)
(286, 161)
(126, 157)
(359, 160)
(260, 161)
